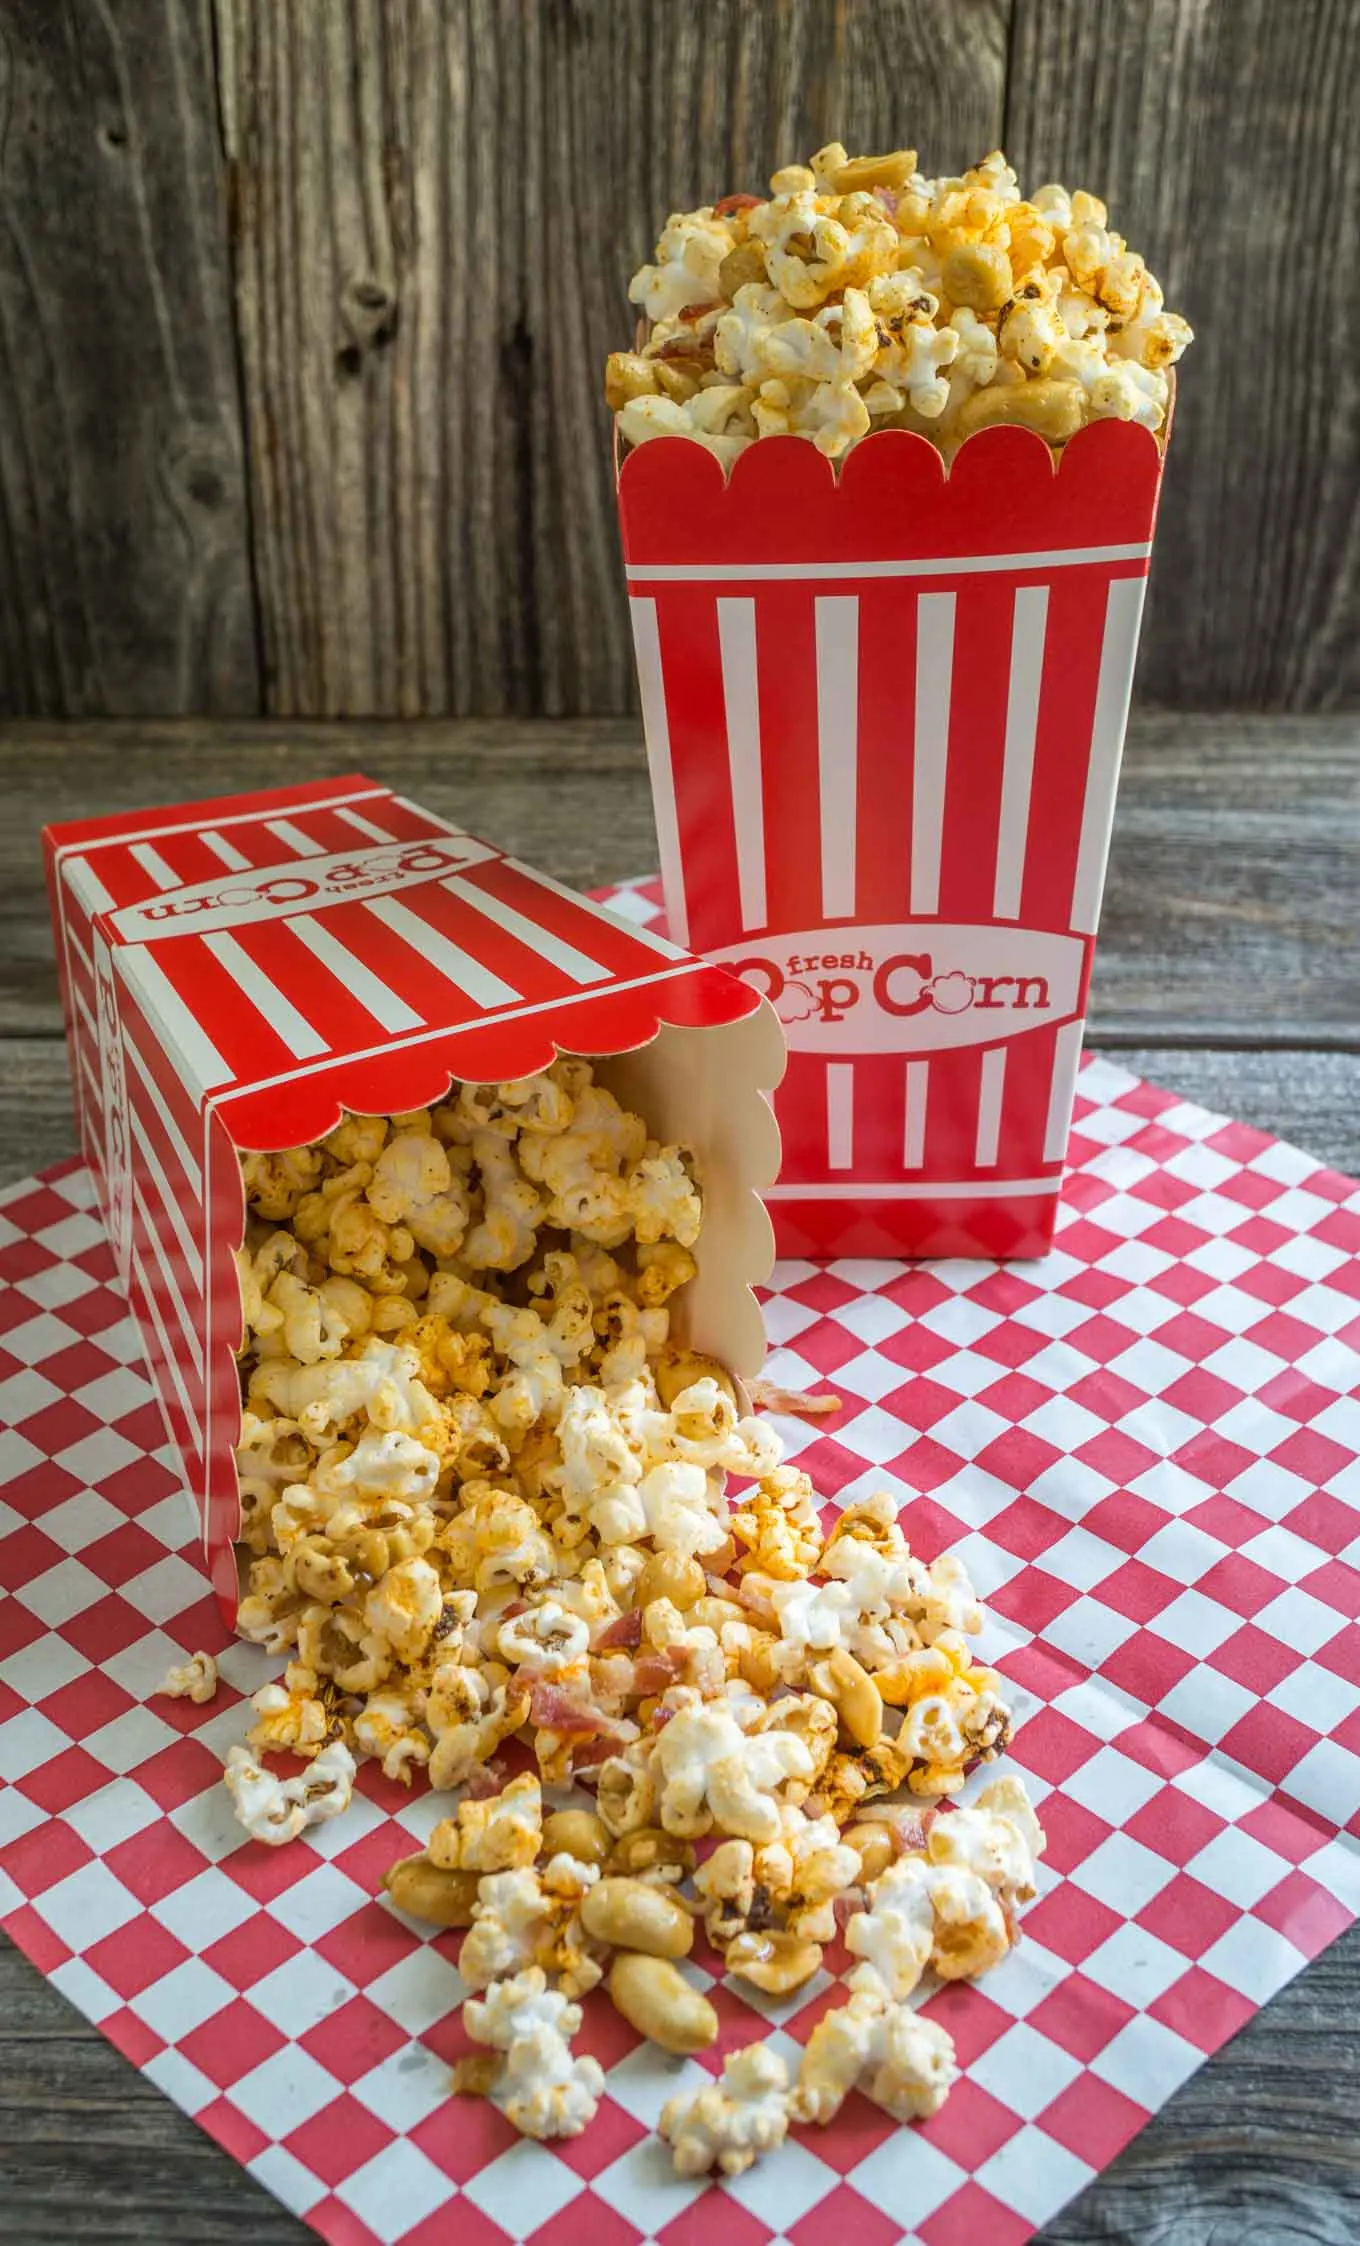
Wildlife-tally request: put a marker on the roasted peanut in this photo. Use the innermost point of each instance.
(775, 1962)
(679, 1369)
(1053, 409)
(745, 263)
(575, 1832)
(656, 1999)
(839, 1678)
(649, 1849)
(421, 1888)
(860, 173)
(873, 1844)
(630, 1915)
(979, 275)
(669, 1575)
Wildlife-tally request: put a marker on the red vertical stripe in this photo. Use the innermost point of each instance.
(800, 1111)
(952, 1113)
(786, 661)
(887, 670)
(1067, 698)
(1024, 1105)
(977, 740)
(880, 1115)
(696, 715)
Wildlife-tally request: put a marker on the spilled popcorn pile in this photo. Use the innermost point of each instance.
(485, 1506)
(863, 296)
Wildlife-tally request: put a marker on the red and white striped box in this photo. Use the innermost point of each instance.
(884, 714)
(236, 973)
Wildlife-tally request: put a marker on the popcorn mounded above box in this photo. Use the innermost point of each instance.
(237, 973)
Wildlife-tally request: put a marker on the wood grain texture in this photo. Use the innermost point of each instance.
(438, 204)
(1259, 2149)
(124, 552)
(1226, 140)
(1230, 912)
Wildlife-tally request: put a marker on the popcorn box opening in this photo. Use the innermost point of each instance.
(884, 712)
(237, 973)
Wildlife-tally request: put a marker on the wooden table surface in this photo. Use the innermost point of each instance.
(1228, 969)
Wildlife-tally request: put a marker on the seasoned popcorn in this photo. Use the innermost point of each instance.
(541, 2087)
(861, 295)
(276, 1810)
(732, 2121)
(487, 1512)
(194, 1679)
(904, 2062)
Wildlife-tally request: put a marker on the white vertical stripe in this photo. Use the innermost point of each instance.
(365, 825)
(1062, 1086)
(741, 697)
(165, 1118)
(372, 993)
(1028, 626)
(172, 1208)
(86, 1016)
(227, 851)
(840, 1115)
(1123, 614)
(190, 1051)
(293, 838)
(150, 860)
(462, 970)
(990, 1089)
(86, 887)
(171, 1360)
(151, 1231)
(430, 819)
(597, 911)
(555, 949)
(914, 1141)
(838, 750)
(934, 671)
(656, 727)
(302, 1040)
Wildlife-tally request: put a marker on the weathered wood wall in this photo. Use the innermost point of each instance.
(303, 304)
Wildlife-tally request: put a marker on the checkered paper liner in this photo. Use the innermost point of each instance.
(1146, 1450)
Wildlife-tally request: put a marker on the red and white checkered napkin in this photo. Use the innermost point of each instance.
(1146, 1450)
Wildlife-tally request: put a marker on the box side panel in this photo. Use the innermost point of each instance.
(708, 1090)
(887, 769)
(156, 1216)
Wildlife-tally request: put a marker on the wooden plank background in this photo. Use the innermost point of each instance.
(303, 305)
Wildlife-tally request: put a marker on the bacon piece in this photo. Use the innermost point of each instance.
(625, 1630)
(554, 1708)
(588, 1754)
(657, 1668)
(730, 204)
(768, 1396)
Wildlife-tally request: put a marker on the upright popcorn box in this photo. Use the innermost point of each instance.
(884, 712)
(238, 972)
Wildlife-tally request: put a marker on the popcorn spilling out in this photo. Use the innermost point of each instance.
(485, 1510)
(861, 295)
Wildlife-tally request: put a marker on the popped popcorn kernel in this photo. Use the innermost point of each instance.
(485, 1481)
(860, 294)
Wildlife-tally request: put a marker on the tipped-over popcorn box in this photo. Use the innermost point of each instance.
(884, 711)
(237, 973)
